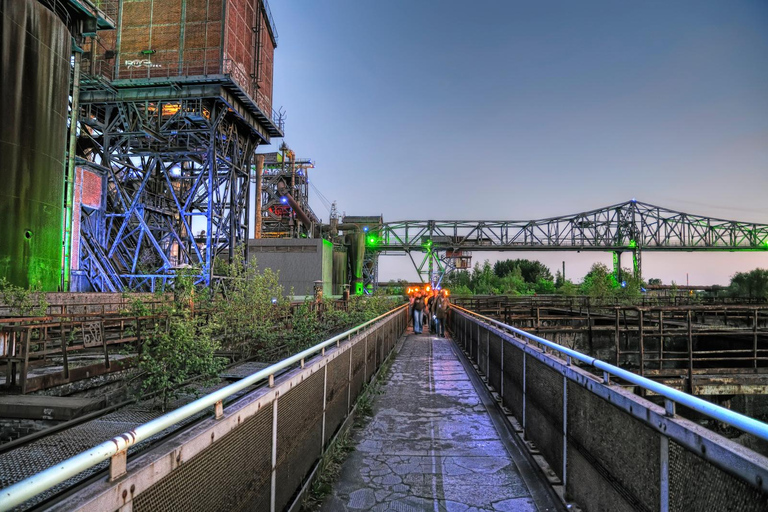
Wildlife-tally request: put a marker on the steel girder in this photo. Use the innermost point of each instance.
(177, 189)
(632, 226)
(619, 227)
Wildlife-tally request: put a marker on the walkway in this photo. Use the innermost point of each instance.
(436, 443)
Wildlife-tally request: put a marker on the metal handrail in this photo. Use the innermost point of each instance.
(16, 494)
(739, 421)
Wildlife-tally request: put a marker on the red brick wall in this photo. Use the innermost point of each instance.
(88, 193)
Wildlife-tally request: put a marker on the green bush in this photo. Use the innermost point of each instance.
(175, 351)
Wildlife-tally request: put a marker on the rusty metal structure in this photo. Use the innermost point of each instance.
(631, 227)
(713, 347)
(283, 190)
(173, 105)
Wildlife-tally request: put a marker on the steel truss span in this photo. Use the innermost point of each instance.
(621, 227)
(632, 226)
(176, 175)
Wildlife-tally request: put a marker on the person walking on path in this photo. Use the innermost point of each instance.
(429, 303)
(418, 309)
(440, 308)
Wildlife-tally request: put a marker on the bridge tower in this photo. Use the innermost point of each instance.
(173, 105)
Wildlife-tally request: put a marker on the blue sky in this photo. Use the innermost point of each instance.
(521, 110)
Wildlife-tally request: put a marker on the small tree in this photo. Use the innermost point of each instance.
(174, 352)
(249, 313)
(599, 282)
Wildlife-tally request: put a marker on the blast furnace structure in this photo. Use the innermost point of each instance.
(173, 105)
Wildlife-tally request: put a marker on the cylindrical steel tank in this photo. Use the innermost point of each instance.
(339, 271)
(35, 49)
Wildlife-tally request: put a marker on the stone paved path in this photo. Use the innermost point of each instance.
(432, 445)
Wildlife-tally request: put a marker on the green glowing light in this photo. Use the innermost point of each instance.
(632, 244)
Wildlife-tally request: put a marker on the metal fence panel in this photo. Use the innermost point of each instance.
(234, 473)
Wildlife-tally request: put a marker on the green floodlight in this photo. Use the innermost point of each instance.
(633, 244)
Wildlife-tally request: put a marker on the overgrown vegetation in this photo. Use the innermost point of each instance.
(175, 351)
(23, 301)
(247, 315)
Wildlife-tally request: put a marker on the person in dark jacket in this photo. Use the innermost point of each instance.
(418, 310)
(440, 308)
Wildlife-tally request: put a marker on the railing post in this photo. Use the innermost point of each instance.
(754, 340)
(218, 410)
(349, 381)
(617, 338)
(118, 465)
(525, 358)
(565, 432)
(325, 392)
(273, 488)
(488, 354)
(642, 343)
(664, 473)
(661, 339)
(501, 364)
(690, 354)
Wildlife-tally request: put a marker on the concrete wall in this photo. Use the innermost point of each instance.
(300, 261)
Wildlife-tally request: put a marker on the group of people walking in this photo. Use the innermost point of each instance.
(429, 308)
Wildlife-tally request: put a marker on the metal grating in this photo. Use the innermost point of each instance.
(232, 474)
(513, 380)
(494, 372)
(482, 351)
(695, 484)
(370, 357)
(544, 411)
(38, 455)
(336, 396)
(299, 430)
(358, 370)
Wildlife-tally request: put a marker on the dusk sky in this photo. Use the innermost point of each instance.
(511, 110)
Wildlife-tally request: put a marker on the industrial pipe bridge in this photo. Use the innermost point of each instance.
(632, 227)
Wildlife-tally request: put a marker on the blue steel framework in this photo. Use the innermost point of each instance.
(175, 156)
(626, 227)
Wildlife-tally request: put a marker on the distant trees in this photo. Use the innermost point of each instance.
(752, 284)
(526, 277)
(509, 277)
(530, 271)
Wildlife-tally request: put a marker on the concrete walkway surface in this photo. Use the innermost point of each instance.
(436, 443)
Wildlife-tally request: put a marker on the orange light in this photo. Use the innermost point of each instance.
(170, 108)
(428, 288)
(446, 293)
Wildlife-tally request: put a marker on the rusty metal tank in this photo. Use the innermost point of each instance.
(339, 270)
(35, 49)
